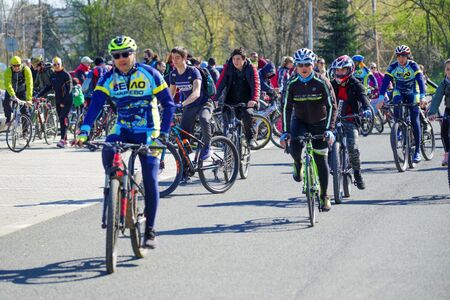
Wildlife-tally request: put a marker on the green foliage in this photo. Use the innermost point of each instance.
(339, 31)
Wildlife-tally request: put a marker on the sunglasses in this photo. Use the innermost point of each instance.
(373, 67)
(402, 55)
(121, 54)
(304, 65)
(16, 66)
(55, 65)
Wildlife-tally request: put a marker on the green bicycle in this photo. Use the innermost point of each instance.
(311, 186)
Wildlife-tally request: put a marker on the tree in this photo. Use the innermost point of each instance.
(339, 31)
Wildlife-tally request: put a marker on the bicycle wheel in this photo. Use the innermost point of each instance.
(399, 146)
(77, 126)
(411, 145)
(135, 217)
(244, 156)
(275, 119)
(378, 122)
(170, 170)
(112, 225)
(336, 167)
(263, 131)
(428, 142)
(367, 123)
(310, 198)
(219, 172)
(19, 133)
(50, 125)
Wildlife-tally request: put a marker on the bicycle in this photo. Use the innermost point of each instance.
(217, 173)
(273, 114)
(442, 119)
(235, 133)
(402, 138)
(311, 185)
(20, 129)
(103, 123)
(123, 206)
(339, 161)
(44, 123)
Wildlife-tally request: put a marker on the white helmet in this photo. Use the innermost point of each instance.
(304, 55)
(402, 49)
(86, 60)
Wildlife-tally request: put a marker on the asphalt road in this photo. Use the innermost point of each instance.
(390, 241)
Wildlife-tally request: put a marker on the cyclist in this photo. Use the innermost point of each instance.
(195, 102)
(135, 89)
(321, 68)
(239, 83)
(212, 69)
(83, 69)
(285, 71)
(18, 85)
(365, 75)
(350, 90)
(443, 91)
(43, 73)
(61, 83)
(309, 106)
(406, 75)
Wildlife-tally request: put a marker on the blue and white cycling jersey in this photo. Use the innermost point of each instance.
(136, 97)
(407, 80)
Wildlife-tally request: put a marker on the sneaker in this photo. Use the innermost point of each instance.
(61, 144)
(417, 158)
(359, 182)
(150, 238)
(445, 160)
(205, 153)
(296, 172)
(325, 203)
(252, 143)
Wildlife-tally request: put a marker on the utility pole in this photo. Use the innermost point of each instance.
(23, 28)
(310, 25)
(40, 24)
(375, 33)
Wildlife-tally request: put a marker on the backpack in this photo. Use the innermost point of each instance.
(88, 83)
(208, 85)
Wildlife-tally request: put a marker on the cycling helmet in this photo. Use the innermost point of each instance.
(341, 62)
(37, 60)
(402, 49)
(86, 60)
(304, 55)
(120, 43)
(15, 60)
(358, 58)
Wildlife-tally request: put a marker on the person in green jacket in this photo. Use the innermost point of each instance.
(442, 92)
(18, 85)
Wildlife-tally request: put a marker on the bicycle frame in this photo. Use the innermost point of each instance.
(309, 162)
(191, 164)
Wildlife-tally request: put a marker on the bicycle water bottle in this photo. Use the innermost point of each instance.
(187, 146)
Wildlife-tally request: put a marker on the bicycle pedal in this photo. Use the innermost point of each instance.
(104, 226)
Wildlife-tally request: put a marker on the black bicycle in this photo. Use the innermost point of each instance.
(234, 131)
(123, 205)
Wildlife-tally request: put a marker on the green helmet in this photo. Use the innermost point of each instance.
(37, 60)
(121, 43)
(15, 60)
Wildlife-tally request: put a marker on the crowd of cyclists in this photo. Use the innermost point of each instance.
(146, 94)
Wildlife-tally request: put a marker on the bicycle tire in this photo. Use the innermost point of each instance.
(77, 126)
(401, 153)
(263, 131)
(310, 195)
(137, 224)
(51, 126)
(367, 123)
(220, 142)
(13, 134)
(412, 148)
(378, 122)
(167, 186)
(428, 144)
(244, 157)
(336, 167)
(275, 119)
(112, 225)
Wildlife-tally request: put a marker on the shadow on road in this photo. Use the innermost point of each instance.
(378, 162)
(65, 271)
(416, 200)
(62, 202)
(273, 165)
(291, 202)
(278, 224)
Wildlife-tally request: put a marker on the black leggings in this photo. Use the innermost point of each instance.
(63, 113)
(444, 130)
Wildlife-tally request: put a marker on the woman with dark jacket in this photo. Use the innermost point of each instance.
(61, 83)
(239, 83)
(350, 95)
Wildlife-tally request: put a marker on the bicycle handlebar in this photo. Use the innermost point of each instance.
(123, 147)
(308, 136)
